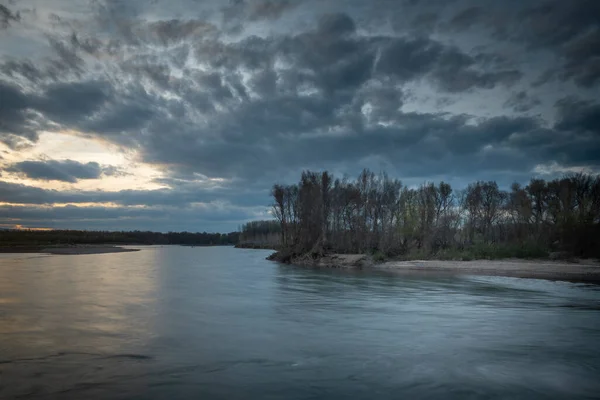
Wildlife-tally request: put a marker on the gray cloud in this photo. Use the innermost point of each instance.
(569, 30)
(206, 218)
(69, 104)
(7, 17)
(583, 55)
(64, 170)
(16, 121)
(179, 194)
(72, 102)
(578, 116)
(24, 69)
(270, 9)
(522, 101)
(466, 18)
(453, 70)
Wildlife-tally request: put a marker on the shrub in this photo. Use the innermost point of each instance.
(379, 256)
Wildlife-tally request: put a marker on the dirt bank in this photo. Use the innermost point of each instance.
(582, 271)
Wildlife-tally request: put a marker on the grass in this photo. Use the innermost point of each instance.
(481, 251)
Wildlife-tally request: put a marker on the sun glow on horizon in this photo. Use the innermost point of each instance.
(71, 145)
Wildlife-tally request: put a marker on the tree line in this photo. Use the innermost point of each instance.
(19, 237)
(378, 214)
(260, 234)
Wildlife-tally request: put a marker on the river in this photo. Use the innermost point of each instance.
(222, 323)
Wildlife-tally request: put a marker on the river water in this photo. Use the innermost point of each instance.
(224, 323)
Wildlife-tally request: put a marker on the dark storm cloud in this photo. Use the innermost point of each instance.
(7, 17)
(453, 70)
(64, 170)
(206, 218)
(270, 9)
(67, 57)
(178, 195)
(89, 45)
(521, 102)
(68, 104)
(25, 69)
(16, 121)
(578, 116)
(553, 22)
(570, 29)
(238, 13)
(466, 18)
(128, 112)
(73, 101)
(175, 30)
(107, 213)
(583, 55)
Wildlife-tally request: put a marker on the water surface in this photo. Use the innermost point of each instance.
(223, 323)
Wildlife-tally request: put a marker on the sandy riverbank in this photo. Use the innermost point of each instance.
(582, 271)
(67, 250)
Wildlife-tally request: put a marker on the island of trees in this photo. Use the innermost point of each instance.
(379, 215)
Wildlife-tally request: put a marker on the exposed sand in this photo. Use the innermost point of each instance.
(68, 250)
(584, 271)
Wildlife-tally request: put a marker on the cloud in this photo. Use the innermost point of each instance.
(67, 104)
(7, 17)
(16, 121)
(583, 59)
(206, 217)
(568, 30)
(522, 102)
(466, 18)
(451, 69)
(270, 9)
(578, 116)
(61, 170)
(72, 102)
(177, 195)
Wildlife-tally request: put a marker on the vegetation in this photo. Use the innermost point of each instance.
(260, 234)
(10, 238)
(379, 215)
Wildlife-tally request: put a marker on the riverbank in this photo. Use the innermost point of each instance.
(583, 271)
(67, 250)
(262, 246)
(580, 271)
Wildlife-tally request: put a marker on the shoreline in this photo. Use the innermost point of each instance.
(255, 246)
(587, 271)
(66, 250)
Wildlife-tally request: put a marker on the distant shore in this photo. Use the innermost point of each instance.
(256, 246)
(580, 271)
(67, 250)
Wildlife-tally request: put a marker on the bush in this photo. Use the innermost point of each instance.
(481, 251)
(379, 256)
(494, 251)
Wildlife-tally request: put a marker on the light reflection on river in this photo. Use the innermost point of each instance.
(181, 322)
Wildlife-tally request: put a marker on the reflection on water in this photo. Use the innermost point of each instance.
(70, 299)
(180, 322)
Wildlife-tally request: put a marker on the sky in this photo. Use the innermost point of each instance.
(181, 114)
